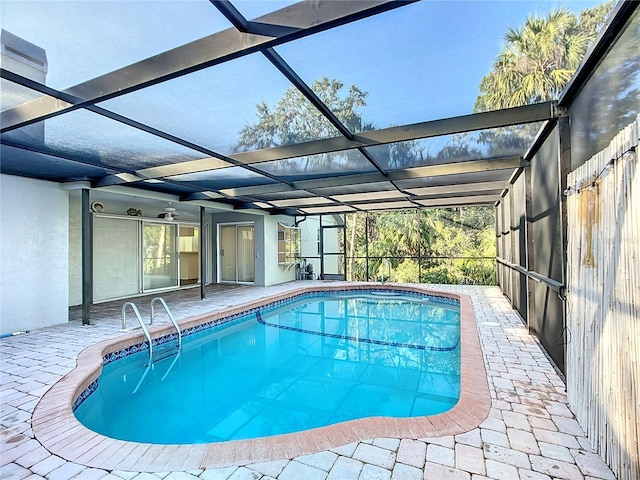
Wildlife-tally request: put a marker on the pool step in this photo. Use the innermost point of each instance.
(165, 350)
(161, 354)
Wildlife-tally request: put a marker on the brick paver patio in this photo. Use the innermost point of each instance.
(530, 433)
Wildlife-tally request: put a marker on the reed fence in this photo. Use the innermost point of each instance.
(603, 301)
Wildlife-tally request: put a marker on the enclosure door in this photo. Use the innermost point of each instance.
(237, 253)
(333, 252)
(159, 256)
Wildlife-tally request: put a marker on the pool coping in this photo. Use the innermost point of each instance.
(57, 429)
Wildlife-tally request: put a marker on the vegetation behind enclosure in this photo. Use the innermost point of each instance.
(453, 245)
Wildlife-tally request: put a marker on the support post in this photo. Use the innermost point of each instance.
(529, 250)
(564, 168)
(87, 257)
(321, 250)
(366, 244)
(419, 222)
(497, 213)
(514, 275)
(203, 254)
(344, 243)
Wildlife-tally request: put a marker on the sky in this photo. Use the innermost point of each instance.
(422, 61)
(419, 62)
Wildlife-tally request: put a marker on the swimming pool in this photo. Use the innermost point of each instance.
(56, 427)
(314, 360)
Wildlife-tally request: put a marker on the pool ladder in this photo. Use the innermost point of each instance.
(166, 352)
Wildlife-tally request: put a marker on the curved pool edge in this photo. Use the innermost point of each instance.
(57, 429)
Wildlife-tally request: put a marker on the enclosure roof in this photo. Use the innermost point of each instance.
(154, 95)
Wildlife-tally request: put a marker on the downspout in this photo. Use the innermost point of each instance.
(298, 222)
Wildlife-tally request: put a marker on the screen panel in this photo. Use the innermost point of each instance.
(219, 107)
(609, 100)
(112, 34)
(101, 141)
(547, 255)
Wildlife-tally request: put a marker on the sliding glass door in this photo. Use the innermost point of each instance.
(159, 256)
(237, 253)
(133, 256)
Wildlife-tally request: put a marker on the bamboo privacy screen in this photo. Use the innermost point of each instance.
(603, 301)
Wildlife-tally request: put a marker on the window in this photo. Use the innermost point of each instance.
(289, 245)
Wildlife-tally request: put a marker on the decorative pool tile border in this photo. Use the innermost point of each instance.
(85, 394)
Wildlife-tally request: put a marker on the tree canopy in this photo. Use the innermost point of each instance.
(294, 119)
(539, 57)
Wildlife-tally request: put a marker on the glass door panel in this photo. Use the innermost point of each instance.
(228, 253)
(189, 243)
(159, 256)
(246, 253)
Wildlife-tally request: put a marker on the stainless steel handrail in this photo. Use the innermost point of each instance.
(150, 365)
(142, 325)
(166, 309)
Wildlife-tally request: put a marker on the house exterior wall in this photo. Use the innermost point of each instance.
(116, 250)
(75, 249)
(34, 272)
(275, 273)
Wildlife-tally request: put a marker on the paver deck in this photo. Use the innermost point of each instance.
(530, 433)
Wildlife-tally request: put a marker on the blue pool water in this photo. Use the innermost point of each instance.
(311, 362)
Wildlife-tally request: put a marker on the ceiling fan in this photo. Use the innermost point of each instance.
(169, 213)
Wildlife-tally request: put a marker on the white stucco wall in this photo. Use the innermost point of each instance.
(75, 248)
(275, 273)
(34, 268)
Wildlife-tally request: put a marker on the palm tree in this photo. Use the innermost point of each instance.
(539, 58)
